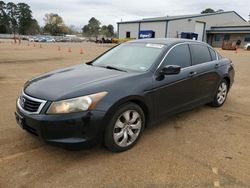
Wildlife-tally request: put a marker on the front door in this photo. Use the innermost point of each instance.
(173, 92)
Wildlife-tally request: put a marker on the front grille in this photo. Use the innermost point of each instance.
(30, 105)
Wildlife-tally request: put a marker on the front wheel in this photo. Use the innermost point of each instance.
(221, 94)
(124, 128)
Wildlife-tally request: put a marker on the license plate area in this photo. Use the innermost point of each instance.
(19, 120)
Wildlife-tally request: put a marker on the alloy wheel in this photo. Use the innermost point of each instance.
(222, 93)
(127, 128)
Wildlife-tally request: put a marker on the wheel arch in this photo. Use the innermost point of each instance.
(131, 99)
(228, 80)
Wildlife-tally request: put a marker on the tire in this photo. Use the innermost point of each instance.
(221, 94)
(248, 48)
(124, 128)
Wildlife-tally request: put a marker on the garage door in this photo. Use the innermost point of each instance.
(199, 29)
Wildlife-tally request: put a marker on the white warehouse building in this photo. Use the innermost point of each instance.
(204, 27)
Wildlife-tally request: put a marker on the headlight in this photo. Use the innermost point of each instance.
(78, 104)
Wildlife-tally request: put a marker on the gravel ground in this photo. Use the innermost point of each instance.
(205, 147)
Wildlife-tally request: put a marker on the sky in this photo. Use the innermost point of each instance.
(78, 12)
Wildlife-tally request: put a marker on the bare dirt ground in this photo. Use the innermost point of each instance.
(206, 147)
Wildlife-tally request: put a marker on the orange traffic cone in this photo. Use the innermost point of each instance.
(69, 50)
(81, 51)
(34, 44)
(40, 46)
(28, 43)
(59, 48)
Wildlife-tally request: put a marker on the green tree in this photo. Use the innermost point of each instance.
(93, 28)
(4, 19)
(104, 30)
(110, 30)
(86, 31)
(54, 24)
(25, 19)
(33, 28)
(12, 12)
(207, 10)
(219, 10)
(107, 31)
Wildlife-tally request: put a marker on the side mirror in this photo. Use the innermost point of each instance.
(170, 70)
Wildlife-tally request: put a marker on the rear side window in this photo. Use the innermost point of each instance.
(179, 55)
(200, 54)
(213, 54)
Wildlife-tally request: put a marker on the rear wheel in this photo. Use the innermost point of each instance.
(124, 128)
(248, 48)
(221, 94)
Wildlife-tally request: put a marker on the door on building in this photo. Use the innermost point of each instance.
(199, 29)
(127, 34)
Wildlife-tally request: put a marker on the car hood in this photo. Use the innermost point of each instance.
(68, 82)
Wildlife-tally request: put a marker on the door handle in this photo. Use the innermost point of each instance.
(216, 65)
(192, 73)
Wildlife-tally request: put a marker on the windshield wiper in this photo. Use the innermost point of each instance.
(111, 67)
(114, 68)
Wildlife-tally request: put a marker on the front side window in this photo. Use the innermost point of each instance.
(179, 55)
(131, 56)
(200, 54)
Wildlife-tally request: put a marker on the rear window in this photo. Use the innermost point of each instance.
(200, 54)
(213, 54)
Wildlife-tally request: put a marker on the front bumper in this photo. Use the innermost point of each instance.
(76, 129)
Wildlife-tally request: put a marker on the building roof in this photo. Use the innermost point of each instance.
(247, 24)
(169, 18)
(240, 28)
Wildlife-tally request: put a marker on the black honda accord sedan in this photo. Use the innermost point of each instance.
(118, 94)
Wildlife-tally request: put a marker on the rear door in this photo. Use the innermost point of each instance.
(204, 66)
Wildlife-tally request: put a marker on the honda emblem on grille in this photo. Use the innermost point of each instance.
(22, 101)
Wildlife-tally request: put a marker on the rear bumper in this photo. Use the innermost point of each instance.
(231, 75)
(77, 129)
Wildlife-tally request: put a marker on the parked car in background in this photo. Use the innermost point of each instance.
(31, 39)
(50, 39)
(132, 86)
(42, 39)
(247, 46)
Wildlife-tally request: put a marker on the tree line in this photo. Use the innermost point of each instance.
(18, 18)
(94, 29)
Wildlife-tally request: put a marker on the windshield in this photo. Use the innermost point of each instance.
(130, 56)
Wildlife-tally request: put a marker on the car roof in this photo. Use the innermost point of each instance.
(165, 41)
